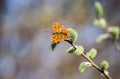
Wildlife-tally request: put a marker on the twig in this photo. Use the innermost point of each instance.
(93, 64)
(116, 45)
(96, 67)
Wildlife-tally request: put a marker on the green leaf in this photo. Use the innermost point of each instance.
(100, 23)
(71, 50)
(104, 65)
(92, 53)
(53, 46)
(79, 50)
(115, 30)
(103, 37)
(83, 66)
(98, 9)
(73, 35)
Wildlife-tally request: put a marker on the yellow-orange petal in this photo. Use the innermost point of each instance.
(57, 27)
(65, 31)
(56, 38)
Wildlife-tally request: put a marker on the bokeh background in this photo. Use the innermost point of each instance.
(25, 33)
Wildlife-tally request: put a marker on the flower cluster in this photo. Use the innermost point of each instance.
(60, 33)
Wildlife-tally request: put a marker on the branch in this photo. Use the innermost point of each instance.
(116, 45)
(93, 64)
(96, 67)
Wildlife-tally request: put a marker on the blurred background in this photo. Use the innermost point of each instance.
(25, 34)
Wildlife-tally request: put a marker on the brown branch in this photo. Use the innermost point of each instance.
(96, 67)
(93, 64)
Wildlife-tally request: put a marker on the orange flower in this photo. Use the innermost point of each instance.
(57, 27)
(56, 38)
(65, 31)
(60, 33)
(64, 36)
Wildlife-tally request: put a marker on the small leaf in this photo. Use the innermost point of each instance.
(103, 37)
(73, 35)
(98, 9)
(104, 65)
(83, 66)
(92, 53)
(53, 46)
(115, 30)
(71, 50)
(79, 50)
(100, 23)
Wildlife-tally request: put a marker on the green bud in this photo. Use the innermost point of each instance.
(104, 65)
(79, 50)
(92, 53)
(73, 35)
(71, 50)
(100, 23)
(83, 66)
(103, 37)
(115, 30)
(98, 9)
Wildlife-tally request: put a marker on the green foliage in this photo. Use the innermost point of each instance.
(92, 53)
(115, 31)
(100, 23)
(71, 50)
(98, 9)
(79, 50)
(104, 65)
(73, 35)
(103, 37)
(84, 65)
(53, 46)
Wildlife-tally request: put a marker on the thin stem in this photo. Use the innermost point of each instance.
(93, 64)
(116, 45)
(96, 67)
(71, 43)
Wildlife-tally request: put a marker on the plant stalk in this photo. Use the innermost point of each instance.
(93, 64)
